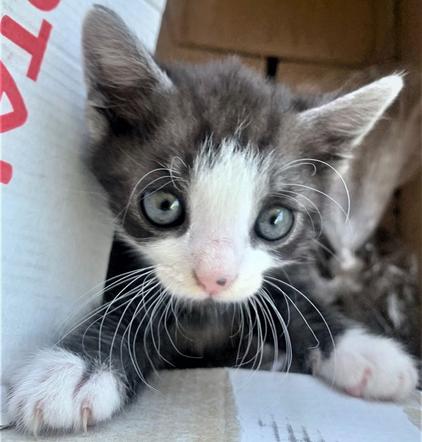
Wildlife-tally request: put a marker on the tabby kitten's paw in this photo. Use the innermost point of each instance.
(369, 366)
(55, 391)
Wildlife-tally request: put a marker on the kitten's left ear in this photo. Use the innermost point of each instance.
(346, 120)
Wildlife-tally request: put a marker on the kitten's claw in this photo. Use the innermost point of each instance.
(86, 415)
(37, 420)
(369, 366)
(53, 392)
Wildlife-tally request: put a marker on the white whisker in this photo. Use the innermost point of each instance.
(299, 161)
(287, 340)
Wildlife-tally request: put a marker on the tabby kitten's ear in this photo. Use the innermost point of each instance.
(344, 121)
(122, 77)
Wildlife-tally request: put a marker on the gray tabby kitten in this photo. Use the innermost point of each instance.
(364, 270)
(215, 177)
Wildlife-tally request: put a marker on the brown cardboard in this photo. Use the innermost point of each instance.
(410, 51)
(169, 50)
(332, 31)
(313, 77)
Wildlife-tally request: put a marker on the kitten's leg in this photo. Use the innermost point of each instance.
(368, 366)
(61, 390)
(345, 355)
(69, 387)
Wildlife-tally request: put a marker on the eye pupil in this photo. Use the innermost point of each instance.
(165, 205)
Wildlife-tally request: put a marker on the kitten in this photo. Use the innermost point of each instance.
(380, 288)
(207, 173)
(364, 271)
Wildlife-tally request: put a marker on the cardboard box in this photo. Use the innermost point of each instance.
(56, 229)
(409, 49)
(227, 405)
(333, 31)
(169, 50)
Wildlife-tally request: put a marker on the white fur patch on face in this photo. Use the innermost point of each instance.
(224, 194)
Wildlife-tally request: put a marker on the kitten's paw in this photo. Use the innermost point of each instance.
(55, 391)
(369, 366)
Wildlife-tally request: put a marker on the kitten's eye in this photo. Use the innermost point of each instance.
(162, 208)
(274, 223)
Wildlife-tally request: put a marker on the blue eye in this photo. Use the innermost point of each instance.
(162, 208)
(274, 223)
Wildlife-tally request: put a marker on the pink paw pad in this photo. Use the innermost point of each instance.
(357, 390)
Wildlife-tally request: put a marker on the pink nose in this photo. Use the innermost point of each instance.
(213, 282)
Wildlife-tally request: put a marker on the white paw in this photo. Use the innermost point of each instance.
(369, 366)
(55, 391)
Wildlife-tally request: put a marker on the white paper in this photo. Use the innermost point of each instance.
(300, 408)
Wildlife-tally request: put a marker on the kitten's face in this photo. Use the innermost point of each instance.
(231, 225)
(215, 175)
(214, 221)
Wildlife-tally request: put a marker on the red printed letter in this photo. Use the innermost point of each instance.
(45, 5)
(18, 115)
(29, 42)
(6, 172)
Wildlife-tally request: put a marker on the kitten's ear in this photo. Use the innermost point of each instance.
(344, 121)
(120, 73)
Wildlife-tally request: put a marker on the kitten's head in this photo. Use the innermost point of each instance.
(214, 174)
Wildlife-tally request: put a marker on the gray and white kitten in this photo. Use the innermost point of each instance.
(215, 177)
